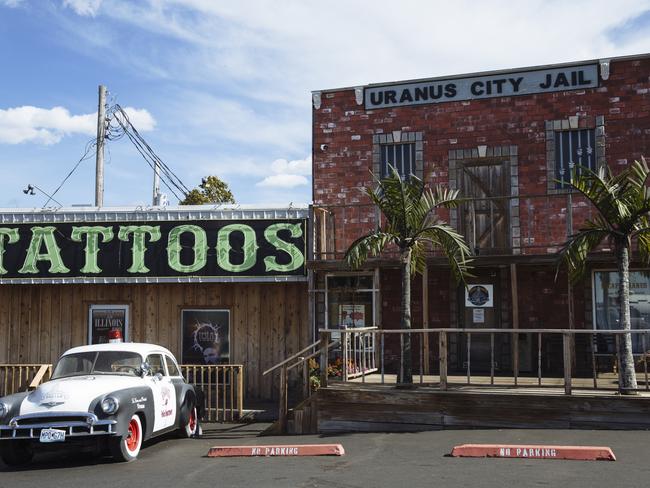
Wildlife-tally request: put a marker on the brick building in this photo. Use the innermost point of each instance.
(508, 141)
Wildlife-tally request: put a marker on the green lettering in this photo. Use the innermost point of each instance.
(7, 236)
(40, 236)
(92, 244)
(297, 258)
(174, 247)
(224, 248)
(139, 243)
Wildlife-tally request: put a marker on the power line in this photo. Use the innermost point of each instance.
(88, 151)
(168, 177)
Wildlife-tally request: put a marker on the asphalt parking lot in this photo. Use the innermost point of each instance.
(371, 460)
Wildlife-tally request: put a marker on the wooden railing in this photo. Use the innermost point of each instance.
(223, 389)
(301, 358)
(222, 385)
(15, 378)
(512, 376)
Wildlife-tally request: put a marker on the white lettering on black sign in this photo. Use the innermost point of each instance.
(497, 85)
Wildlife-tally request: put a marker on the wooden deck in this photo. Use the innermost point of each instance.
(374, 407)
(607, 384)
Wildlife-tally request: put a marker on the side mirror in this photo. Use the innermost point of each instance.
(145, 369)
(158, 376)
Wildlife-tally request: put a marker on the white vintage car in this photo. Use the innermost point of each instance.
(118, 394)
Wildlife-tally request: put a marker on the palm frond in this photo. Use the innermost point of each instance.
(575, 251)
(453, 246)
(369, 245)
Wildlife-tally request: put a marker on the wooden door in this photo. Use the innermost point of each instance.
(485, 217)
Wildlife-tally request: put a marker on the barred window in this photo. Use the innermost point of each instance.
(573, 149)
(400, 156)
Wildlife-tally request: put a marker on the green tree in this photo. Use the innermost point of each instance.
(411, 225)
(623, 203)
(211, 190)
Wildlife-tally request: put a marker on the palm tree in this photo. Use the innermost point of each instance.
(623, 203)
(410, 224)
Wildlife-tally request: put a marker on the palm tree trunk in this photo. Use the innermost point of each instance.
(628, 384)
(406, 373)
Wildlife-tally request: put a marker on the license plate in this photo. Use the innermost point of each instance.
(52, 435)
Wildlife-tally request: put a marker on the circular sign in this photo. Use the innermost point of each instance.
(478, 295)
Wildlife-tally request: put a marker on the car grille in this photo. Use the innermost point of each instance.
(75, 424)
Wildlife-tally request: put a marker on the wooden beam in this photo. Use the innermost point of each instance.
(515, 320)
(425, 317)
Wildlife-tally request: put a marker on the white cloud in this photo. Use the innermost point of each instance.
(298, 166)
(87, 8)
(288, 174)
(284, 181)
(49, 126)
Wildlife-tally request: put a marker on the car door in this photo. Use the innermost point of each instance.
(164, 393)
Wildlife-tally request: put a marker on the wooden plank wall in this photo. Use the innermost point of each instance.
(269, 321)
(382, 408)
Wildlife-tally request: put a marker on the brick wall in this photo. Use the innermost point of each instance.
(342, 169)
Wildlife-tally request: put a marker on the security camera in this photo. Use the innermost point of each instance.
(324, 147)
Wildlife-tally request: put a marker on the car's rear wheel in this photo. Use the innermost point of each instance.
(191, 428)
(127, 448)
(16, 453)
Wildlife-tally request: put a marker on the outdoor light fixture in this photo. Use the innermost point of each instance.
(30, 191)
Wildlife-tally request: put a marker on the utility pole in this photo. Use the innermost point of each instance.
(101, 133)
(156, 184)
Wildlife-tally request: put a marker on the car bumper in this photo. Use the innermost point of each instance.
(75, 425)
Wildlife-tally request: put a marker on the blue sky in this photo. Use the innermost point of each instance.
(224, 87)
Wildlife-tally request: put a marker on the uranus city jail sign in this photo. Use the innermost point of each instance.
(476, 87)
(171, 249)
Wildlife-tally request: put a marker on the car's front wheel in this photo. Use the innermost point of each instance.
(191, 428)
(127, 448)
(16, 453)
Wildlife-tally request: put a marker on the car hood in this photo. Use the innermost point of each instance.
(75, 393)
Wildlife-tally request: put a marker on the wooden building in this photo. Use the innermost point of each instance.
(214, 285)
(508, 141)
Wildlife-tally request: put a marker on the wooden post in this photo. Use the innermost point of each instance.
(442, 340)
(240, 392)
(346, 353)
(515, 320)
(324, 342)
(425, 318)
(305, 378)
(283, 411)
(566, 346)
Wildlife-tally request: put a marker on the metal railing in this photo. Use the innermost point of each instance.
(15, 378)
(222, 386)
(542, 222)
(587, 355)
(359, 355)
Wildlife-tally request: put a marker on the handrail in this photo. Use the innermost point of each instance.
(312, 355)
(42, 371)
(291, 358)
(507, 331)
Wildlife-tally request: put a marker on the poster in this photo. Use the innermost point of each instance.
(104, 318)
(206, 336)
(479, 296)
(352, 316)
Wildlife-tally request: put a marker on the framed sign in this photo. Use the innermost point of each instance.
(479, 296)
(206, 336)
(352, 316)
(104, 318)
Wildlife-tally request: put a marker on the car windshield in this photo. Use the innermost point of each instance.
(98, 362)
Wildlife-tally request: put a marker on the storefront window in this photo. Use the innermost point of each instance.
(606, 307)
(350, 301)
